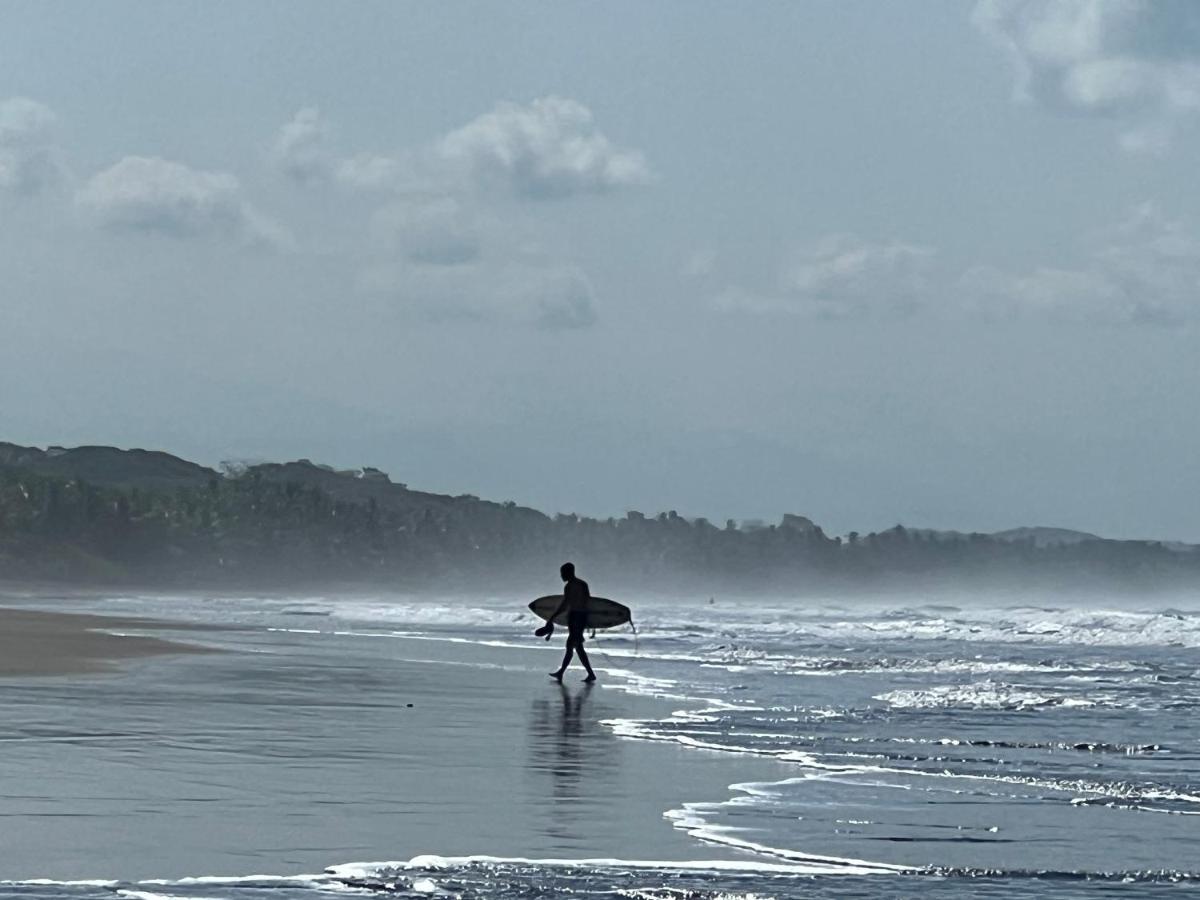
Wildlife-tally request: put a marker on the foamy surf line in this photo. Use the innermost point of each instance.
(359, 875)
(814, 865)
(342, 873)
(422, 873)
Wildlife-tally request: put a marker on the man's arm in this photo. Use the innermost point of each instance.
(549, 626)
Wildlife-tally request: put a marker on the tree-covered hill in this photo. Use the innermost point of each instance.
(108, 466)
(100, 515)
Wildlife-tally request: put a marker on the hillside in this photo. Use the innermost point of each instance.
(105, 515)
(108, 466)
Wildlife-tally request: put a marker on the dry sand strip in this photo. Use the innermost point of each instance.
(50, 643)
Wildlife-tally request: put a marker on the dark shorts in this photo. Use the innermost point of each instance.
(576, 624)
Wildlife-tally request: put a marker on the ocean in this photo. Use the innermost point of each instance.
(403, 746)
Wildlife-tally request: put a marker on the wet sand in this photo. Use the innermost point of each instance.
(299, 749)
(33, 642)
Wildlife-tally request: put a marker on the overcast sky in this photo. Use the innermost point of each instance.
(872, 262)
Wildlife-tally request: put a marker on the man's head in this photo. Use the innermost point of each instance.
(567, 571)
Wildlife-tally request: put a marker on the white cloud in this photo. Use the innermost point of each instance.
(304, 150)
(1146, 270)
(518, 292)
(29, 159)
(301, 148)
(1138, 60)
(842, 276)
(549, 148)
(442, 248)
(156, 195)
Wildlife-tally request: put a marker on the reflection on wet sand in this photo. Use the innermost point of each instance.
(567, 742)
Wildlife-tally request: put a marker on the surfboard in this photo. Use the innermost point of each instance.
(602, 613)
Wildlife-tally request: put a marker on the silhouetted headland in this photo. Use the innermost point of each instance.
(103, 516)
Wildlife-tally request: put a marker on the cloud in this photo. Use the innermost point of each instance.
(1044, 292)
(1145, 270)
(437, 230)
(370, 172)
(442, 246)
(842, 276)
(155, 195)
(1136, 60)
(301, 148)
(547, 149)
(29, 158)
(517, 292)
(304, 150)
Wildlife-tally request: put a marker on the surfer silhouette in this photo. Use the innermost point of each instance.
(575, 603)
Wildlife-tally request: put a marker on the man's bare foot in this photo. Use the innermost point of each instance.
(589, 679)
(557, 676)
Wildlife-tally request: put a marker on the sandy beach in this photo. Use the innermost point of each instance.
(33, 642)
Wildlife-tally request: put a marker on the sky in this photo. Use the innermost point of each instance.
(928, 263)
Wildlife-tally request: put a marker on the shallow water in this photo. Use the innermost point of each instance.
(733, 749)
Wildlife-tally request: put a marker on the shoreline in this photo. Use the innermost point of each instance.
(39, 643)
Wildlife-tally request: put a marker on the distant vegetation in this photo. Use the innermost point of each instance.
(99, 515)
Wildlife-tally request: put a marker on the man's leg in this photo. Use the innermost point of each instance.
(583, 658)
(558, 676)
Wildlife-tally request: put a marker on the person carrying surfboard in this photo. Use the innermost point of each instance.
(576, 597)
